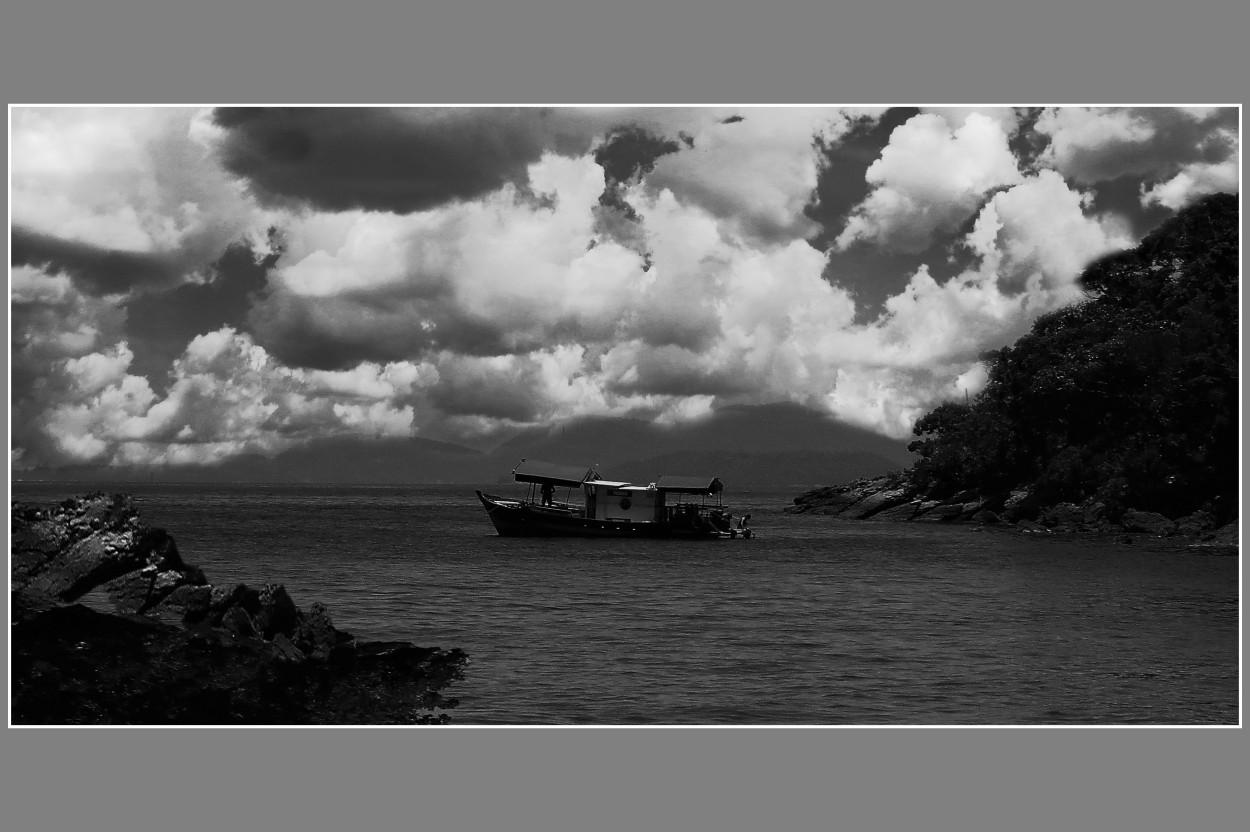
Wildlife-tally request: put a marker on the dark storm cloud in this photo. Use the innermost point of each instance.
(870, 276)
(400, 160)
(841, 182)
(1122, 197)
(94, 270)
(495, 392)
(628, 154)
(1025, 142)
(339, 332)
(160, 324)
(631, 152)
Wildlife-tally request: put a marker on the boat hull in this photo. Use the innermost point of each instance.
(513, 518)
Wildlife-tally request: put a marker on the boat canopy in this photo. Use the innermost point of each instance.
(690, 485)
(541, 472)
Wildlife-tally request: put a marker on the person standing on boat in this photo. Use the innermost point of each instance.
(548, 490)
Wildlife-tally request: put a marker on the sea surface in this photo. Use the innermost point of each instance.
(815, 621)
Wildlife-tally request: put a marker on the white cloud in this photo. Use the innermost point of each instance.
(125, 179)
(1097, 144)
(53, 320)
(1089, 144)
(930, 179)
(514, 308)
(1198, 179)
(756, 175)
(226, 396)
(1037, 237)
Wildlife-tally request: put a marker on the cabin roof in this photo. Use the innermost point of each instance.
(610, 484)
(533, 470)
(690, 485)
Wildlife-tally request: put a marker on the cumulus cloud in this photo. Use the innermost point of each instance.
(754, 170)
(1096, 144)
(1198, 179)
(1037, 237)
(227, 396)
(120, 196)
(930, 178)
(652, 262)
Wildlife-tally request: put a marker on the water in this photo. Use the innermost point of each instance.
(815, 621)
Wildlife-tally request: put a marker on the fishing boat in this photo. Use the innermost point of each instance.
(670, 507)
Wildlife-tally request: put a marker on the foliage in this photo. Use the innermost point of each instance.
(1130, 397)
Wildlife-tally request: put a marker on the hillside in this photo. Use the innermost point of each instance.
(1126, 401)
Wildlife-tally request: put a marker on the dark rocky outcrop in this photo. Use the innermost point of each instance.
(895, 497)
(172, 648)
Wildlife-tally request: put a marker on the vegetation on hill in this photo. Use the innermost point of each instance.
(1129, 397)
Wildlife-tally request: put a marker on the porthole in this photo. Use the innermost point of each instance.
(625, 504)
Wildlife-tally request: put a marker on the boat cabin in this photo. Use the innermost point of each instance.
(669, 507)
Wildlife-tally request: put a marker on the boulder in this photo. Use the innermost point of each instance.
(276, 612)
(1147, 522)
(186, 604)
(1067, 515)
(903, 511)
(1020, 505)
(316, 635)
(1196, 524)
(235, 620)
(943, 513)
(879, 501)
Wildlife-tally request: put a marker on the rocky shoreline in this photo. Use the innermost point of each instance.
(893, 497)
(173, 648)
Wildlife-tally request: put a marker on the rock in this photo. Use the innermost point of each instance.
(236, 620)
(943, 513)
(862, 498)
(1094, 512)
(286, 650)
(276, 613)
(1020, 505)
(1147, 522)
(1196, 524)
(1067, 515)
(177, 650)
(186, 604)
(316, 635)
(223, 598)
(67, 551)
(986, 518)
(1029, 527)
(905, 511)
(1226, 535)
(878, 502)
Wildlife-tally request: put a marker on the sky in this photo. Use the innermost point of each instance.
(189, 284)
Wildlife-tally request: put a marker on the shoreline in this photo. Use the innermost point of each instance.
(892, 498)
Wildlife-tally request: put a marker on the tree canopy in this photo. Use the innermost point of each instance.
(1129, 397)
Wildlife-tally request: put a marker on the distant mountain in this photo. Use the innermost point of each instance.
(779, 444)
(783, 468)
(755, 433)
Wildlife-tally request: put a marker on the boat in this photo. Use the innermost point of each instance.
(670, 507)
